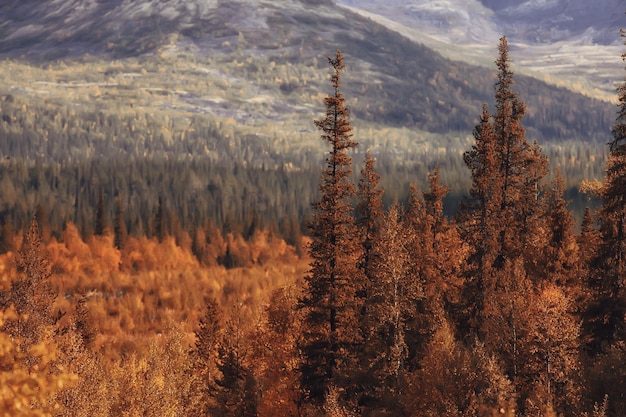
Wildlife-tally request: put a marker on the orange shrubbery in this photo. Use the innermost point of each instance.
(131, 293)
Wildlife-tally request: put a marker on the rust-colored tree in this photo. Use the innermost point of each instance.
(550, 355)
(560, 255)
(435, 257)
(442, 252)
(30, 372)
(276, 356)
(457, 380)
(369, 213)
(329, 301)
(603, 321)
(506, 319)
(31, 294)
(205, 354)
(500, 219)
(608, 307)
(480, 219)
(392, 302)
(235, 391)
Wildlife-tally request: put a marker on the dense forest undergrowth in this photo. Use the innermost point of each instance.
(208, 298)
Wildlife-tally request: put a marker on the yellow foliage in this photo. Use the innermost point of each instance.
(29, 392)
(106, 256)
(145, 254)
(132, 293)
(591, 188)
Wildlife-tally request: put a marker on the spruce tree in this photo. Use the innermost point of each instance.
(121, 233)
(369, 212)
(438, 244)
(522, 166)
(102, 220)
(435, 254)
(369, 218)
(392, 301)
(205, 356)
(588, 242)
(561, 252)
(500, 219)
(607, 309)
(31, 294)
(235, 390)
(480, 218)
(330, 334)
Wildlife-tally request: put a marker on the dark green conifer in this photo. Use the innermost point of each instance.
(102, 220)
(121, 233)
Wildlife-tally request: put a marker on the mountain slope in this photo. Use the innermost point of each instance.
(550, 21)
(575, 44)
(260, 61)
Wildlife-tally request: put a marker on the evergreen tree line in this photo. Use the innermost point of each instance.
(201, 194)
(153, 197)
(503, 309)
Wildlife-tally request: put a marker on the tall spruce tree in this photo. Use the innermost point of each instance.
(330, 333)
(499, 219)
(608, 307)
(480, 217)
(522, 165)
(369, 220)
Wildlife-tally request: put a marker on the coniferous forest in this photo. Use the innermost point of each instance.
(226, 298)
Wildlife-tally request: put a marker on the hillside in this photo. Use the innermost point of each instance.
(147, 88)
(275, 55)
(567, 43)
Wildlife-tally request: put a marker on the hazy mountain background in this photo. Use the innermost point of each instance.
(396, 81)
(568, 43)
(533, 22)
(256, 70)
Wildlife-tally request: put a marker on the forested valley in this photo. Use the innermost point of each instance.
(137, 283)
